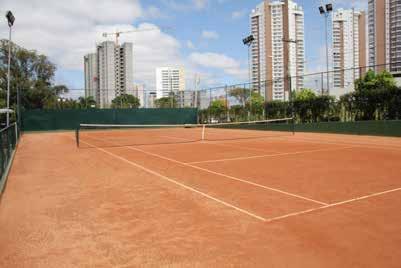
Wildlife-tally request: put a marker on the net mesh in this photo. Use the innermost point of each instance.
(100, 135)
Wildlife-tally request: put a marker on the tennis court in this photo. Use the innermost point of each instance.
(194, 197)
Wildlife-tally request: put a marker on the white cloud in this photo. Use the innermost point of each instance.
(219, 61)
(154, 12)
(200, 4)
(190, 45)
(182, 5)
(66, 31)
(210, 35)
(358, 4)
(238, 14)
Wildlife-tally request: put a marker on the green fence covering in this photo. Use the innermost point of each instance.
(373, 128)
(46, 120)
(8, 141)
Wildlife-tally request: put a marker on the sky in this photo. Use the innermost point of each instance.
(202, 36)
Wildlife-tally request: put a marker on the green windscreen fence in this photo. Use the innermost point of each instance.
(372, 128)
(8, 140)
(45, 120)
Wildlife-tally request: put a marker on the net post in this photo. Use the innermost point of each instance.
(77, 136)
(16, 134)
(293, 125)
(203, 132)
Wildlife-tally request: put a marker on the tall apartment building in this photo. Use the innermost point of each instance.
(150, 98)
(139, 92)
(349, 48)
(112, 65)
(279, 48)
(169, 80)
(91, 75)
(385, 34)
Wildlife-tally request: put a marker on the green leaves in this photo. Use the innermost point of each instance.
(125, 101)
(218, 107)
(32, 74)
(240, 94)
(305, 94)
(87, 102)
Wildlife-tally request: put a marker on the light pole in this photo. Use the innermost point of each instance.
(289, 81)
(10, 18)
(248, 42)
(325, 10)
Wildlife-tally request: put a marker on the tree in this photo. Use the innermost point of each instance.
(277, 109)
(86, 102)
(166, 102)
(125, 101)
(255, 104)
(371, 95)
(218, 108)
(304, 94)
(372, 81)
(238, 113)
(31, 73)
(240, 94)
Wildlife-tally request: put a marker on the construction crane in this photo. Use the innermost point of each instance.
(118, 33)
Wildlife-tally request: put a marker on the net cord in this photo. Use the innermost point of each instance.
(250, 122)
(133, 126)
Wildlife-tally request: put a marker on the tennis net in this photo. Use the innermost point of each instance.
(104, 135)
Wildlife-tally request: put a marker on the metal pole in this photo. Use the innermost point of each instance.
(227, 107)
(210, 105)
(249, 63)
(326, 15)
(322, 78)
(171, 90)
(250, 103)
(9, 76)
(18, 107)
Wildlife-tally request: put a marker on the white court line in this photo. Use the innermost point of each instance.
(227, 176)
(223, 145)
(356, 144)
(177, 183)
(221, 174)
(270, 155)
(269, 220)
(331, 205)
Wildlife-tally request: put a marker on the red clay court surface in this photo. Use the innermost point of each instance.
(309, 200)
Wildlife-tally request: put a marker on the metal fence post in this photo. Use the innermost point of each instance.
(322, 78)
(210, 105)
(227, 104)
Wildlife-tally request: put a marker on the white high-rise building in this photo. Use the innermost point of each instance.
(150, 98)
(385, 35)
(169, 80)
(124, 69)
(349, 48)
(139, 92)
(113, 71)
(279, 48)
(107, 73)
(91, 75)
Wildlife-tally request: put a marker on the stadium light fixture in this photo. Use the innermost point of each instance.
(10, 18)
(248, 40)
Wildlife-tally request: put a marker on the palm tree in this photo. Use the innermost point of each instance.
(87, 102)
